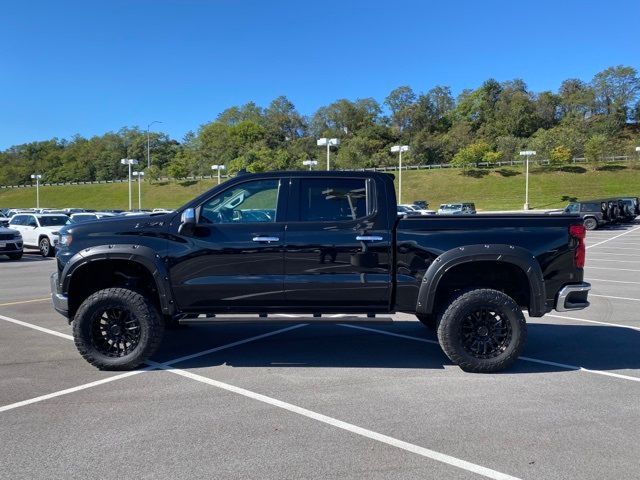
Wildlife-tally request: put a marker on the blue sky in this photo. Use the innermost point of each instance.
(89, 67)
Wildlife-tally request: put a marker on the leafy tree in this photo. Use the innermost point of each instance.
(595, 148)
(474, 154)
(560, 155)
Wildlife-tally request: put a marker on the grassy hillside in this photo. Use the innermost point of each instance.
(490, 189)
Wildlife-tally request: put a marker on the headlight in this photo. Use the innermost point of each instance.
(66, 239)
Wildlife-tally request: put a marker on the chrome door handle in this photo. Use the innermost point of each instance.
(368, 238)
(265, 239)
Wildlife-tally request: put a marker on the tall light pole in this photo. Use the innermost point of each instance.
(310, 163)
(328, 142)
(219, 168)
(129, 161)
(527, 154)
(638, 150)
(139, 175)
(37, 179)
(148, 143)
(399, 149)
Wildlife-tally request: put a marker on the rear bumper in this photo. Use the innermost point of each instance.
(60, 301)
(573, 297)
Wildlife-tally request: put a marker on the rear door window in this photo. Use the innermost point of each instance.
(334, 199)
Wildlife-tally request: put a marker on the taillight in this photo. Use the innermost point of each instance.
(579, 233)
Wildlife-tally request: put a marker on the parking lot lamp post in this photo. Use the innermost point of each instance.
(149, 143)
(129, 161)
(399, 149)
(310, 163)
(638, 150)
(139, 175)
(219, 168)
(37, 179)
(328, 142)
(527, 154)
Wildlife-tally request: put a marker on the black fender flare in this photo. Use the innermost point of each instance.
(517, 256)
(145, 256)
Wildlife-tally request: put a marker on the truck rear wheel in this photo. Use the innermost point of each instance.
(117, 329)
(482, 330)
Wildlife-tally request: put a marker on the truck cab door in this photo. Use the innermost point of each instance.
(338, 246)
(233, 259)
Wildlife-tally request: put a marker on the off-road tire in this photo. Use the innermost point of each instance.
(45, 247)
(458, 316)
(429, 320)
(590, 223)
(151, 328)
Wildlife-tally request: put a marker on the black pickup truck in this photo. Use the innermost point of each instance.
(314, 243)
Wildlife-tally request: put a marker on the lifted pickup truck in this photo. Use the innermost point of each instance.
(316, 242)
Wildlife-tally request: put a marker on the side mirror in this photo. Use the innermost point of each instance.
(187, 222)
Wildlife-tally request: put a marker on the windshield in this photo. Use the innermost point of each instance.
(53, 221)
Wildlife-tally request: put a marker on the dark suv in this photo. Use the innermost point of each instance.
(594, 213)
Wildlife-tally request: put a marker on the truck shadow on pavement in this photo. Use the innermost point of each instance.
(330, 345)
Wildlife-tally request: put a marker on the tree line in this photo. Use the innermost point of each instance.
(487, 124)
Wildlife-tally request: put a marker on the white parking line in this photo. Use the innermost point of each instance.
(36, 327)
(609, 254)
(349, 427)
(615, 298)
(66, 391)
(597, 322)
(612, 269)
(611, 281)
(25, 301)
(613, 238)
(609, 260)
(126, 374)
(526, 359)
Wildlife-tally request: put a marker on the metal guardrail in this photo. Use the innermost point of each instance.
(511, 163)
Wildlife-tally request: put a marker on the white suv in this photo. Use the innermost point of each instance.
(39, 230)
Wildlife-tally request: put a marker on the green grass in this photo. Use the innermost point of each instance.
(493, 189)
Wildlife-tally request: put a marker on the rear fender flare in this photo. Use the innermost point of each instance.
(517, 256)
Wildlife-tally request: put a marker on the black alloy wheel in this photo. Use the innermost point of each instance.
(115, 332)
(485, 333)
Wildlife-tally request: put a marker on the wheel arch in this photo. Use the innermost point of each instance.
(96, 267)
(507, 260)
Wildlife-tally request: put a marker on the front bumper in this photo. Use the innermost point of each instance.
(60, 301)
(573, 297)
(10, 246)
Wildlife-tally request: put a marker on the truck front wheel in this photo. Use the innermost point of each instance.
(482, 330)
(117, 329)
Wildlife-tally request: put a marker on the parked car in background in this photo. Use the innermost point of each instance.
(421, 204)
(419, 210)
(10, 243)
(405, 211)
(457, 209)
(4, 221)
(89, 217)
(630, 208)
(594, 213)
(39, 230)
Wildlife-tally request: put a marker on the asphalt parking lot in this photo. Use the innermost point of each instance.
(288, 398)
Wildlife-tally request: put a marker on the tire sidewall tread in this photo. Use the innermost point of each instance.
(151, 324)
(453, 315)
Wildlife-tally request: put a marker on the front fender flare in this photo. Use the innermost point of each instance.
(145, 256)
(517, 256)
